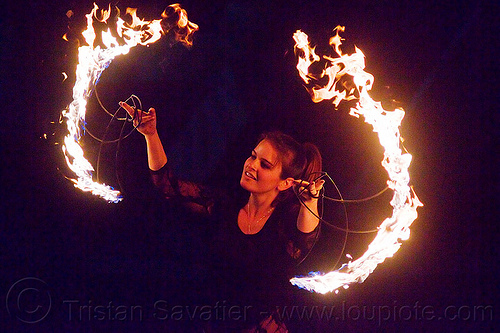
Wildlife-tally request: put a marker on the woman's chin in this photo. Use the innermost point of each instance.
(244, 183)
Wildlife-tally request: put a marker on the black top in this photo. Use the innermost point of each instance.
(244, 269)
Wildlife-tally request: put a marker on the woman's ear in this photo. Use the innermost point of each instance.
(285, 184)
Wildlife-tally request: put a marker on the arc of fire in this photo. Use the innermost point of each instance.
(385, 123)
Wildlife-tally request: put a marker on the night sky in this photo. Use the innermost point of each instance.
(436, 60)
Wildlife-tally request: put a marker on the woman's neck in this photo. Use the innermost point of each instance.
(258, 204)
(253, 217)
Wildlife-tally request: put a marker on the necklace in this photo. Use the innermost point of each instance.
(260, 219)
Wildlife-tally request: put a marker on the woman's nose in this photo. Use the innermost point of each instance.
(252, 163)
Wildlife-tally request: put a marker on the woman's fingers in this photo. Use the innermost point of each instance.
(127, 108)
(134, 111)
(144, 121)
(301, 182)
(312, 188)
(316, 187)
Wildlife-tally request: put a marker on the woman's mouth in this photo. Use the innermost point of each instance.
(249, 175)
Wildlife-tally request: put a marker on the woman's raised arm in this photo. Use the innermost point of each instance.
(307, 220)
(147, 127)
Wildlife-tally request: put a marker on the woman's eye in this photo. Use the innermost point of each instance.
(265, 165)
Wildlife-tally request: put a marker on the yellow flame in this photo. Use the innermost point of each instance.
(92, 61)
(386, 124)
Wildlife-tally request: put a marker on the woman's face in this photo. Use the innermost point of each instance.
(262, 170)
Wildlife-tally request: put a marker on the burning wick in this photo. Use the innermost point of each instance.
(386, 124)
(93, 60)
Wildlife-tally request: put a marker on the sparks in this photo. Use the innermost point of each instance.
(386, 124)
(93, 60)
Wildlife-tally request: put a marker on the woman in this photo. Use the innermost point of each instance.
(261, 234)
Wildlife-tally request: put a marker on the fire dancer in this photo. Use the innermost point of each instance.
(262, 232)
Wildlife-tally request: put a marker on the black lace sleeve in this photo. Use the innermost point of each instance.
(298, 243)
(198, 196)
(301, 243)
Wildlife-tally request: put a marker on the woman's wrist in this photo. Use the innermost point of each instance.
(311, 200)
(156, 154)
(151, 136)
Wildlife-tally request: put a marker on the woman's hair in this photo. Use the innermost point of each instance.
(298, 161)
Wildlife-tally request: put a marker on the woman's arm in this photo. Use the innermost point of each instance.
(307, 219)
(162, 176)
(147, 127)
(156, 154)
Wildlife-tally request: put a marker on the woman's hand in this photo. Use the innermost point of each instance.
(144, 121)
(146, 125)
(309, 191)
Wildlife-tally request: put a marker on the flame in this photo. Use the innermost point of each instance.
(386, 124)
(93, 60)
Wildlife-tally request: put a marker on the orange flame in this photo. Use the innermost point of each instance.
(92, 61)
(386, 123)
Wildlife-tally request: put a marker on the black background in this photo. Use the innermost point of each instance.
(239, 79)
